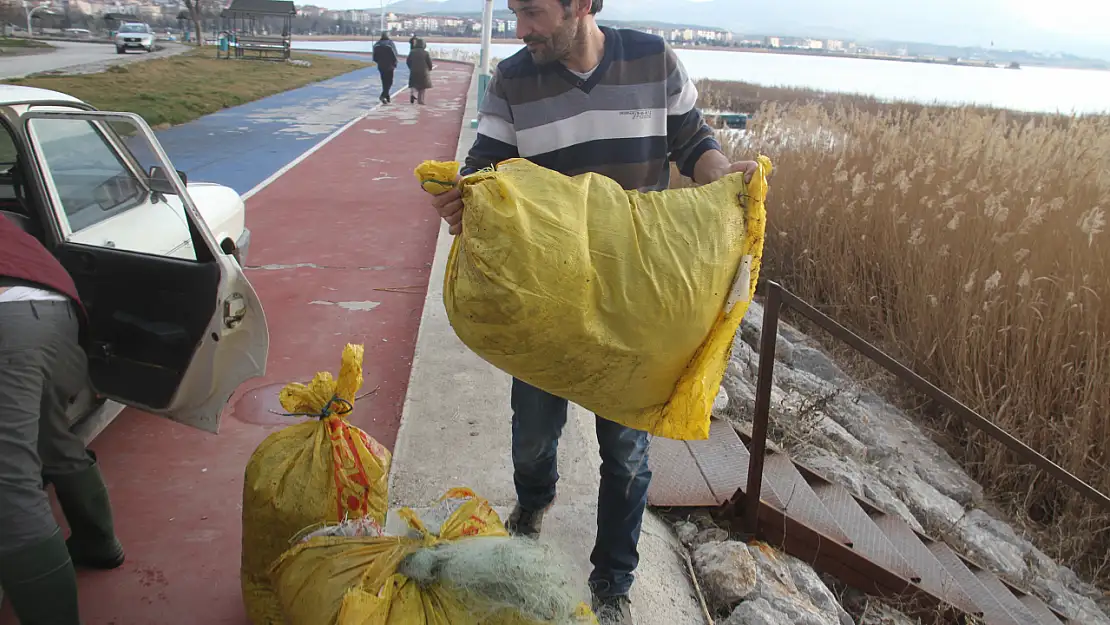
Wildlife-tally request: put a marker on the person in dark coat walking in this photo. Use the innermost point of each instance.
(385, 56)
(420, 70)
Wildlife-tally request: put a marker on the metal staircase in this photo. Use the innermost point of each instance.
(818, 521)
(822, 523)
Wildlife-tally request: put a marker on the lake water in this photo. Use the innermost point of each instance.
(1027, 89)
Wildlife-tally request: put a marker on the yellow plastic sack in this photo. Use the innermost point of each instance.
(625, 303)
(320, 471)
(353, 581)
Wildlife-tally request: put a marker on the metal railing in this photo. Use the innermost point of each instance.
(778, 299)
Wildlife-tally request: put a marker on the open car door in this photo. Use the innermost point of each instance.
(170, 333)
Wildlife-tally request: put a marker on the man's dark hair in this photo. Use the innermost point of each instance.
(595, 8)
(385, 36)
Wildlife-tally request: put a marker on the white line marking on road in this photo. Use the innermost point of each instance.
(312, 150)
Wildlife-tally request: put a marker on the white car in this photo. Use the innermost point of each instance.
(134, 35)
(174, 325)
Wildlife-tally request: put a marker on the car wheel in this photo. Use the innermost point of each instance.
(120, 50)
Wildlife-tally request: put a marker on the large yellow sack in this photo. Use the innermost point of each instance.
(320, 471)
(625, 303)
(344, 580)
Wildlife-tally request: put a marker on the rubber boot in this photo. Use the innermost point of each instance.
(41, 584)
(84, 499)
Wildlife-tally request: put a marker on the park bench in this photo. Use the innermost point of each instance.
(243, 18)
(262, 47)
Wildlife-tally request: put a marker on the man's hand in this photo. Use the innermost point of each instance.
(449, 205)
(714, 165)
(748, 167)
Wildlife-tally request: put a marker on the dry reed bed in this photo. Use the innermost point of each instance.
(970, 243)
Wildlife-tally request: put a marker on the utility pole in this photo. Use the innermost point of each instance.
(487, 37)
(383, 15)
(30, 10)
(484, 59)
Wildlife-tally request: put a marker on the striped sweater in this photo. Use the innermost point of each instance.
(627, 120)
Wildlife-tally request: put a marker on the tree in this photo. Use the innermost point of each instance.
(11, 13)
(198, 11)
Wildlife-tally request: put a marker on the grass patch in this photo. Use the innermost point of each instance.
(970, 244)
(15, 46)
(182, 88)
(20, 42)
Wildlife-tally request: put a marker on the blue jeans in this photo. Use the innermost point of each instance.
(538, 420)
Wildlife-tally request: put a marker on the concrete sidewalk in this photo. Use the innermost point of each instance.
(455, 431)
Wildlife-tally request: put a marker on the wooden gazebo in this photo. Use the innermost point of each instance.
(245, 29)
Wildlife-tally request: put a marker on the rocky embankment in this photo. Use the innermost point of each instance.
(836, 427)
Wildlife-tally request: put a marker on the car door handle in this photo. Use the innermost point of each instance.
(85, 263)
(235, 309)
(111, 244)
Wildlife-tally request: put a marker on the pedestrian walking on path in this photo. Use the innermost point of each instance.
(42, 367)
(385, 56)
(420, 70)
(618, 103)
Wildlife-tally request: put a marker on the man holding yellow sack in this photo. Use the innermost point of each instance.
(583, 98)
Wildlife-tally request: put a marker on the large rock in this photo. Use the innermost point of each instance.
(727, 572)
(766, 586)
(814, 362)
(751, 329)
(720, 402)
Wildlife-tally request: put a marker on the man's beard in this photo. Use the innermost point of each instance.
(555, 48)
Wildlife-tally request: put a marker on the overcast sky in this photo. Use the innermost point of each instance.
(1076, 26)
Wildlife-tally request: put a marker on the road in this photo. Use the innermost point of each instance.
(78, 58)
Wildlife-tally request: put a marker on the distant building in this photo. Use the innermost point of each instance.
(834, 44)
(774, 42)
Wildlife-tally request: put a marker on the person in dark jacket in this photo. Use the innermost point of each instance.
(385, 56)
(43, 366)
(420, 70)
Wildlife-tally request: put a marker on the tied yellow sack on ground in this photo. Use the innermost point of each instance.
(625, 303)
(351, 575)
(319, 471)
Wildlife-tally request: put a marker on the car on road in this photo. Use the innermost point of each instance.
(174, 324)
(134, 35)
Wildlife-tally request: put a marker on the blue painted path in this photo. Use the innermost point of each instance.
(242, 146)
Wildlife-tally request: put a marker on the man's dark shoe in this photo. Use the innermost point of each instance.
(84, 499)
(613, 610)
(40, 583)
(526, 523)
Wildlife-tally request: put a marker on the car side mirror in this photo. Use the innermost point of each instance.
(113, 192)
(160, 182)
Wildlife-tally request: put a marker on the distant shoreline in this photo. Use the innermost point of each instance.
(785, 51)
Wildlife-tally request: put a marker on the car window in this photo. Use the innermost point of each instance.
(134, 28)
(102, 195)
(7, 149)
(8, 199)
(92, 181)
